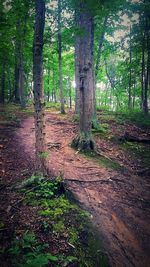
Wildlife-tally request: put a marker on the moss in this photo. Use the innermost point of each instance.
(104, 161)
(83, 142)
(60, 215)
(138, 151)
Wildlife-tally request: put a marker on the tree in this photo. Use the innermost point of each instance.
(62, 108)
(38, 87)
(86, 79)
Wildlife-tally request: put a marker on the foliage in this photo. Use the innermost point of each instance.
(119, 75)
(28, 252)
(58, 216)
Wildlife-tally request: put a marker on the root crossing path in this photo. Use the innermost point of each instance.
(118, 202)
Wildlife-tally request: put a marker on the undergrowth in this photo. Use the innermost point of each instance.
(27, 251)
(60, 218)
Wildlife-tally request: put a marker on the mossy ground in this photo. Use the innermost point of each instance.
(59, 217)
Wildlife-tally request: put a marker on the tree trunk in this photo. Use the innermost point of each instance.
(98, 60)
(2, 93)
(48, 93)
(70, 94)
(100, 46)
(130, 76)
(86, 86)
(77, 59)
(38, 88)
(19, 66)
(21, 81)
(113, 87)
(147, 72)
(62, 107)
(16, 74)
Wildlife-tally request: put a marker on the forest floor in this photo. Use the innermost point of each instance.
(112, 185)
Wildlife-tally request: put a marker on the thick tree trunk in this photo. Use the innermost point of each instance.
(62, 107)
(86, 86)
(38, 88)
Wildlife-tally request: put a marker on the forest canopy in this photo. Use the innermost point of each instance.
(120, 52)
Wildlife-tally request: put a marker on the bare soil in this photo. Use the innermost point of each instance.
(118, 200)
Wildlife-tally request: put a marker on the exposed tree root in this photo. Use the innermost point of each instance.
(83, 143)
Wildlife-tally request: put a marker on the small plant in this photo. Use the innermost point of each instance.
(58, 216)
(43, 154)
(76, 118)
(28, 252)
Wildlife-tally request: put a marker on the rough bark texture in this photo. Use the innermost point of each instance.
(62, 108)
(86, 83)
(38, 88)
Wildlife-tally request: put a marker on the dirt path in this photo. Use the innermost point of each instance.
(118, 202)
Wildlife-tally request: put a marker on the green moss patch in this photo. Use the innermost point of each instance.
(60, 220)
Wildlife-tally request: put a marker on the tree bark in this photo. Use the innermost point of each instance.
(19, 63)
(62, 107)
(86, 85)
(147, 72)
(2, 93)
(38, 88)
(130, 76)
(16, 74)
(70, 93)
(48, 93)
(100, 46)
(77, 59)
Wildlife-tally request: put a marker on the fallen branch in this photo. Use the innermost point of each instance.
(130, 138)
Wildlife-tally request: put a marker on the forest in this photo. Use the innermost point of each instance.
(74, 133)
